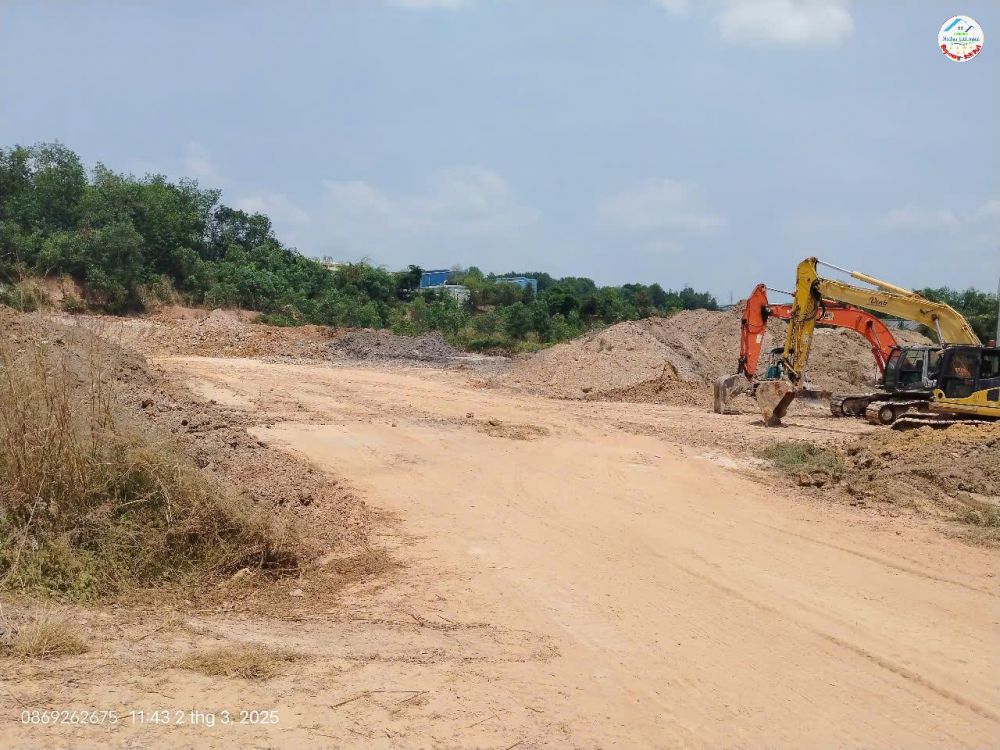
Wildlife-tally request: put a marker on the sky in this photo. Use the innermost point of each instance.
(711, 143)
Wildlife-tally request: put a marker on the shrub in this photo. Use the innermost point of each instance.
(73, 304)
(90, 503)
(26, 296)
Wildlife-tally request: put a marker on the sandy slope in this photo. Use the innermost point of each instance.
(594, 587)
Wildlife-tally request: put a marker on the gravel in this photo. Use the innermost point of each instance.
(370, 344)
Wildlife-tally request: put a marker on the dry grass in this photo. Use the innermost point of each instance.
(90, 502)
(26, 295)
(798, 456)
(245, 661)
(43, 638)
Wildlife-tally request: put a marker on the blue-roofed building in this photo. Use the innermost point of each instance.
(438, 282)
(430, 279)
(522, 281)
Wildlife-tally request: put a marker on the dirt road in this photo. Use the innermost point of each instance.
(586, 575)
(662, 599)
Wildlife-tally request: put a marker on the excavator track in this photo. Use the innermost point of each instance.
(937, 422)
(886, 412)
(853, 405)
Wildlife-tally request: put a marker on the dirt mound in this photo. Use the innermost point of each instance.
(219, 333)
(217, 438)
(952, 471)
(370, 344)
(675, 359)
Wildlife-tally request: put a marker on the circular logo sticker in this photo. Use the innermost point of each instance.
(961, 38)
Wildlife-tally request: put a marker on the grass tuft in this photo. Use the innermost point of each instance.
(801, 457)
(986, 517)
(244, 662)
(42, 639)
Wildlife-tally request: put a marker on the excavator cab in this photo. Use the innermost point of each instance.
(970, 381)
(775, 367)
(968, 389)
(912, 369)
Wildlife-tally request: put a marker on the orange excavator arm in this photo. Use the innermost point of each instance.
(835, 314)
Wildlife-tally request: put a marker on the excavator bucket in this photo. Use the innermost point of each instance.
(773, 398)
(724, 390)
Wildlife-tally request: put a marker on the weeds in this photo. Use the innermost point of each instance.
(26, 296)
(986, 517)
(43, 638)
(801, 457)
(90, 503)
(245, 662)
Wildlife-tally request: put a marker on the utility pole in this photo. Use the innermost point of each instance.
(996, 341)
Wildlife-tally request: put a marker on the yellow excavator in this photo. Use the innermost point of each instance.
(957, 381)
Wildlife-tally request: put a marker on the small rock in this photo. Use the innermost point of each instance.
(296, 592)
(146, 403)
(805, 480)
(587, 388)
(469, 415)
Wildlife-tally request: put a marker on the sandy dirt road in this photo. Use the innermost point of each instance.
(567, 582)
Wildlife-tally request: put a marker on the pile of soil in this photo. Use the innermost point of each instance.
(215, 437)
(952, 472)
(674, 360)
(369, 344)
(219, 333)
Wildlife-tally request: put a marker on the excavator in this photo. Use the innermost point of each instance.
(756, 313)
(912, 371)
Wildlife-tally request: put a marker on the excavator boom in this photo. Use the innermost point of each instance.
(753, 324)
(810, 292)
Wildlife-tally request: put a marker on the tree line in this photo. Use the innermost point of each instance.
(135, 243)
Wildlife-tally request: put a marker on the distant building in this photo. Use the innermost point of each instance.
(522, 281)
(437, 281)
(459, 292)
(429, 279)
(330, 264)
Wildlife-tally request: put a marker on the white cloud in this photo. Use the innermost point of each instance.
(989, 210)
(913, 218)
(795, 22)
(660, 204)
(453, 205)
(198, 163)
(429, 4)
(277, 206)
(910, 217)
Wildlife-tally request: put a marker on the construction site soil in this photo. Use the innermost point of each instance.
(212, 432)
(671, 361)
(674, 360)
(951, 473)
(481, 546)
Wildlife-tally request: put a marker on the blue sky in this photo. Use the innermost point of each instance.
(711, 143)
